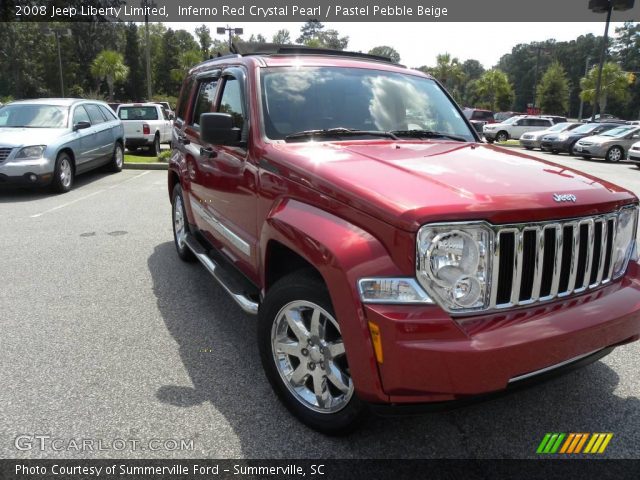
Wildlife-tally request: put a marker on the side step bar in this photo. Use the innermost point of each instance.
(214, 269)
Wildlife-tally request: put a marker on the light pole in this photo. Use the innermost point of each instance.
(586, 71)
(232, 31)
(601, 6)
(58, 32)
(145, 4)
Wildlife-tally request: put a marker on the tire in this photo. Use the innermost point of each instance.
(528, 148)
(63, 175)
(586, 157)
(502, 136)
(132, 149)
(154, 150)
(615, 154)
(314, 360)
(180, 225)
(555, 152)
(117, 160)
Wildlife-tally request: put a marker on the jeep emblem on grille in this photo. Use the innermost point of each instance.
(564, 197)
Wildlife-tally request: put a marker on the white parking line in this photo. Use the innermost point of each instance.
(86, 196)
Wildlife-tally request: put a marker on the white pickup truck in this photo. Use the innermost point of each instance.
(145, 125)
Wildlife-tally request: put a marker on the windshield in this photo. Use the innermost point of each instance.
(559, 127)
(510, 120)
(138, 113)
(33, 116)
(586, 128)
(311, 98)
(618, 132)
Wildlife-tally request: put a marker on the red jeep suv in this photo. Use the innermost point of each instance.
(392, 258)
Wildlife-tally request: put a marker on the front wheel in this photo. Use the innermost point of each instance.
(502, 137)
(304, 357)
(586, 157)
(528, 148)
(180, 225)
(615, 154)
(62, 174)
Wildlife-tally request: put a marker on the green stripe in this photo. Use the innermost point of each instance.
(558, 442)
(550, 443)
(543, 443)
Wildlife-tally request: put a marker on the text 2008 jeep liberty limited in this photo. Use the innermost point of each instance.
(393, 259)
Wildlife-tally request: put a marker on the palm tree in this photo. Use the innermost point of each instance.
(494, 90)
(614, 84)
(448, 71)
(109, 65)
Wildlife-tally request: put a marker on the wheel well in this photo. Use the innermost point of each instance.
(281, 261)
(616, 146)
(69, 152)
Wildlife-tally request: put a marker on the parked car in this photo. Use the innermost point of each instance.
(368, 245)
(634, 153)
(502, 116)
(167, 107)
(480, 115)
(555, 118)
(531, 140)
(611, 145)
(514, 127)
(564, 142)
(145, 125)
(50, 141)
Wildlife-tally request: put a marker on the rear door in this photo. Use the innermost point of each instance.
(104, 139)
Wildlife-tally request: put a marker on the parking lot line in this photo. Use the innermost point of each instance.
(86, 196)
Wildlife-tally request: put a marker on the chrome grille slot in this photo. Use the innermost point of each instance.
(539, 262)
(4, 153)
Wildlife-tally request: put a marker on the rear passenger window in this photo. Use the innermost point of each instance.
(108, 114)
(183, 101)
(205, 100)
(95, 114)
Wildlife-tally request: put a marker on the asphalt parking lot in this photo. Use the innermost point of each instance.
(106, 334)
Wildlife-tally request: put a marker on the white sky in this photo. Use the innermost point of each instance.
(419, 43)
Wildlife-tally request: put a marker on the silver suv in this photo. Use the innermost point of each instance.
(50, 141)
(514, 127)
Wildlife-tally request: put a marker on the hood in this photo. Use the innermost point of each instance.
(535, 134)
(22, 137)
(410, 183)
(597, 139)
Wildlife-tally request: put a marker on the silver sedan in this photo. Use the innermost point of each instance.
(50, 141)
(611, 145)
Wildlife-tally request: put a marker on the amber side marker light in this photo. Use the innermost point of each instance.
(374, 330)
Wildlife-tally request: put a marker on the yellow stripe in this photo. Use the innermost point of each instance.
(592, 440)
(605, 443)
(582, 440)
(596, 445)
(567, 442)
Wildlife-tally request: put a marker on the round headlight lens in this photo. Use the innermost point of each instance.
(625, 235)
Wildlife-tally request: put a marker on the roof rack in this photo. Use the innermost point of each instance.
(250, 48)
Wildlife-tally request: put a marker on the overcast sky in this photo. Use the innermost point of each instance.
(419, 43)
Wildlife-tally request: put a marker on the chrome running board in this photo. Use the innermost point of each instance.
(214, 269)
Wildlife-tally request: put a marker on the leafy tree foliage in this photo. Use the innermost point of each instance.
(386, 51)
(204, 38)
(282, 37)
(553, 90)
(309, 31)
(109, 66)
(135, 85)
(614, 85)
(494, 90)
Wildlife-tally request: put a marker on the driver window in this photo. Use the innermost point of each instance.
(80, 115)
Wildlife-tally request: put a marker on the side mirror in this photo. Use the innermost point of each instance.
(81, 126)
(517, 123)
(218, 129)
(172, 116)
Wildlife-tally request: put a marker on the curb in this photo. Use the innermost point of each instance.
(146, 166)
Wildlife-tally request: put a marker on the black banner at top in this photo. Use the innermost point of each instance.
(332, 10)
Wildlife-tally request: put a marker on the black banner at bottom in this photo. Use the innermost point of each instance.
(543, 468)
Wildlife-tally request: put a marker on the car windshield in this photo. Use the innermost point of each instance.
(559, 127)
(510, 120)
(325, 98)
(587, 128)
(138, 113)
(33, 116)
(618, 132)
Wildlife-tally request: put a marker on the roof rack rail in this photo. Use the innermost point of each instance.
(251, 48)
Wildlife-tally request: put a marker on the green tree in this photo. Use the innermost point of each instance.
(448, 71)
(204, 38)
(259, 38)
(169, 61)
(494, 90)
(186, 60)
(626, 50)
(309, 31)
(135, 85)
(614, 85)
(386, 51)
(282, 37)
(553, 90)
(109, 66)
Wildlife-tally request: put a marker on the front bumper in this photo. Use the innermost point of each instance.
(530, 143)
(634, 155)
(591, 150)
(556, 145)
(489, 135)
(28, 172)
(429, 357)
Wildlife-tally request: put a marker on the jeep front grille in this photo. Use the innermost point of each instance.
(542, 261)
(4, 153)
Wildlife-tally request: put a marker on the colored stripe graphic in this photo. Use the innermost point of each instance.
(573, 443)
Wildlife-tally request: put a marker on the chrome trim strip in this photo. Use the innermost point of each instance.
(223, 230)
(603, 251)
(557, 266)
(539, 265)
(573, 270)
(552, 367)
(517, 276)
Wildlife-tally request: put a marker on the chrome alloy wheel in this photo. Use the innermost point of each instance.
(119, 157)
(310, 357)
(615, 155)
(66, 172)
(179, 222)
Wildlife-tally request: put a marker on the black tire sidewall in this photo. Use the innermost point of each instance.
(302, 286)
(114, 164)
(155, 148)
(501, 135)
(56, 183)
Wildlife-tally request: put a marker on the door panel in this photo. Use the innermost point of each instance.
(85, 151)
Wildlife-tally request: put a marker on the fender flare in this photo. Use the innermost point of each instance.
(342, 253)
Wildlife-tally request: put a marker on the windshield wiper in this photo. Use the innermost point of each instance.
(339, 132)
(427, 134)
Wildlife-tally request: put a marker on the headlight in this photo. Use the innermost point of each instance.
(34, 151)
(624, 239)
(392, 290)
(453, 264)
